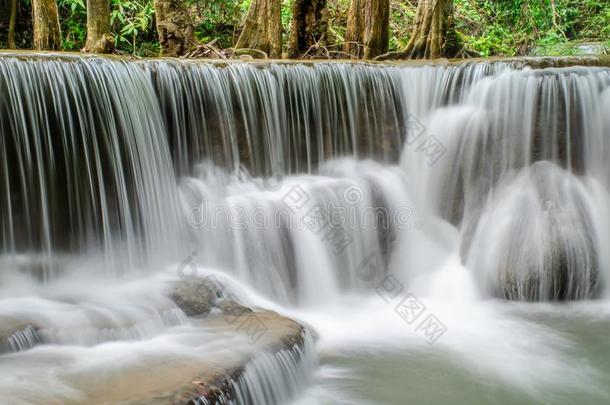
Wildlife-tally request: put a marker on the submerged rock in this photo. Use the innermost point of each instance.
(197, 296)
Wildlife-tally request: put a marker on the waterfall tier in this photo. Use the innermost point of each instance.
(117, 158)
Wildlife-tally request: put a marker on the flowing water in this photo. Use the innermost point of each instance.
(441, 228)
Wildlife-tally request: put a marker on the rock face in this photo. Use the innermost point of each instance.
(16, 336)
(274, 342)
(197, 296)
(286, 340)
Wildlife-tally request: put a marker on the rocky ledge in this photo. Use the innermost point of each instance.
(282, 336)
(270, 334)
(534, 62)
(222, 352)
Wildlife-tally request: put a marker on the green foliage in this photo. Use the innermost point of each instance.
(595, 19)
(130, 20)
(402, 15)
(514, 27)
(495, 40)
(286, 17)
(286, 13)
(219, 19)
(501, 27)
(337, 18)
(132, 25)
(73, 14)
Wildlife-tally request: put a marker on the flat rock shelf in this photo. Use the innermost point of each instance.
(222, 377)
(220, 382)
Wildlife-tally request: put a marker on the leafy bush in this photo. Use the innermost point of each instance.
(73, 15)
(219, 19)
(132, 21)
(513, 27)
(132, 25)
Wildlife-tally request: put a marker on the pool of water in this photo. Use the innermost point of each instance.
(535, 354)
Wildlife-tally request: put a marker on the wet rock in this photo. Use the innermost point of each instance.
(199, 296)
(196, 297)
(546, 248)
(16, 336)
(288, 341)
(229, 306)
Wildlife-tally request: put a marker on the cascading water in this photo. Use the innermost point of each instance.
(327, 191)
(550, 251)
(84, 161)
(508, 123)
(277, 119)
(287, 369)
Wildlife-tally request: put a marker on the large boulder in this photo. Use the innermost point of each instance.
(537, 240)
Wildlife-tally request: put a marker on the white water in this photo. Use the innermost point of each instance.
(461, 219)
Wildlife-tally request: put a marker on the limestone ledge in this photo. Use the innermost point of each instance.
(535, 62)
(213, 382)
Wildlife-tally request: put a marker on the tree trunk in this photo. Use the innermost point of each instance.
(355, 29)
(174, 27)
(11, 25)
(308, 27)
(47, 34)
(263, 28)
(99, 39)
(433, 27)
(376, 28)
(367, 33)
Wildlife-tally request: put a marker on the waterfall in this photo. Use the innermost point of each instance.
(535, 122)
(23, 339)
(127, 155)
(509, 121)
(303, 183)
(85, 164)
(279, 119)
(269, 378)
(276, 378)
(550, 251)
